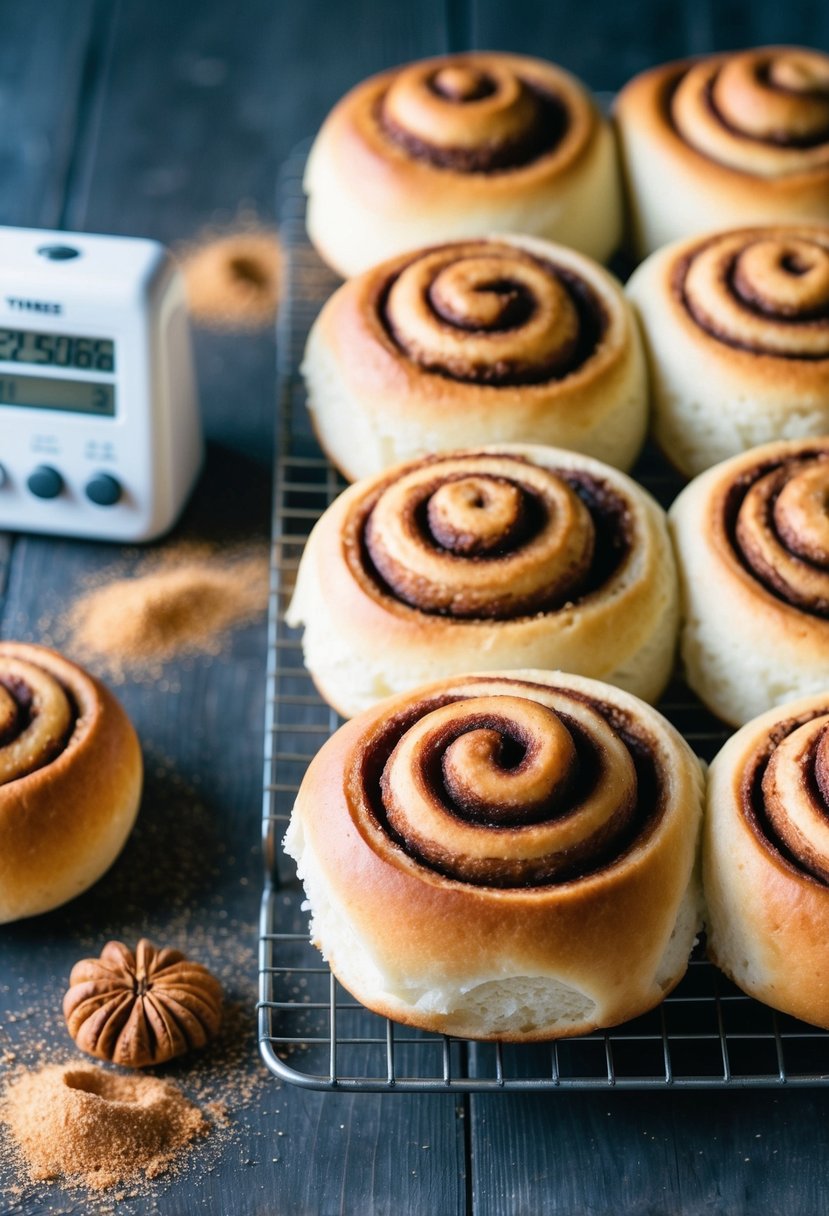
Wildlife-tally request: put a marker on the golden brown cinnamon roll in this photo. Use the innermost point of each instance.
(70, 780)
(737, 331)
(506, 856)
(501, 341)
(737, 138)
(752, 539)
(462, 146)
(766, 859)
(487, 559)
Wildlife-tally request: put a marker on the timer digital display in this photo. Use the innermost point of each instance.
(57, 350)
(100, 433)
(50, 393)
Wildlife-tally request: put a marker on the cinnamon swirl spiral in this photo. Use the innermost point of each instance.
(737, 328)
(486, 559)
(496, 341)
(505, 856)
(766, 859)
(462, 146)
(70, 780)
(752, 537)
(736, 138)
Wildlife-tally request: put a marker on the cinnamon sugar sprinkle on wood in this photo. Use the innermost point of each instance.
(226, 1082)
(183, 600)
(232, 279)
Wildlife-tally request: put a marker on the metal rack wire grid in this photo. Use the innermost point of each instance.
(312, 1033)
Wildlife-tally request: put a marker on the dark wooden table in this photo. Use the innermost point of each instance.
(153, 119)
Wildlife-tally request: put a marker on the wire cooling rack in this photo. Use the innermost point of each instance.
(312, 1033)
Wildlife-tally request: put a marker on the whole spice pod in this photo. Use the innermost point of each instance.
(142, 1008)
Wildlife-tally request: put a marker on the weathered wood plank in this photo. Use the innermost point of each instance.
(603, 46)
(714, 25)
(43, 55)
(607, 44)
(690, 1154)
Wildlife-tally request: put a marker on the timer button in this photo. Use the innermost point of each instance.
(59, 253)
(45, 482)
(103, 490)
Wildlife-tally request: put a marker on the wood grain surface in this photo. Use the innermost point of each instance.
(161, 118)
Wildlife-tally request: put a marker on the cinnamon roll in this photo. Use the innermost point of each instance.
(462, 146)
(737, 331)
(487, 559)
(737, 138)
(493, 341)
(70, 780)
(766, 859)
(752, 539)
(507, 856)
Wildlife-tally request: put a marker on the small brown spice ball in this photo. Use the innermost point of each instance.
(141, 1008)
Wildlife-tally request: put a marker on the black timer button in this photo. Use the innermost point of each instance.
(103, 490)
(45, 482)
(59, 253)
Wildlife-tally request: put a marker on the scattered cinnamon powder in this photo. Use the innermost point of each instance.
(227, 1082)
(96, 1128)
(202, 901)
(232, 279)
(182, 601)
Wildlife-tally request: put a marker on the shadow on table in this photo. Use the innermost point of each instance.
(231, 501)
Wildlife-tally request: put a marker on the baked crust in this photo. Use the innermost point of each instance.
(691, 167)
(616, 620)
(63, 824)
(737, 337)
(398, 163)
(747, 643)
(767, 905)
(505, 340)
(598, 941)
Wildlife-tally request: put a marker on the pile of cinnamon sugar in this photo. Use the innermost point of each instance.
(96, 1128)
(182, 601)
(232, 279)
(226, 1083)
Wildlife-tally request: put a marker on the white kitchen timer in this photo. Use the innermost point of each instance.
(99, 422)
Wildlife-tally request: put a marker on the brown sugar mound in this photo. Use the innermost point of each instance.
(180, 607)
(96, 1128)
(232, 281)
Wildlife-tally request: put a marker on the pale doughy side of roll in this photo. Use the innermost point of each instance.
(352, 679)
(744, 648)
(358, 650)
(516, 963)
(63, 824)
(352, 233)
(767, 916)
(500, 1002)
(373, 404)
(711, 398)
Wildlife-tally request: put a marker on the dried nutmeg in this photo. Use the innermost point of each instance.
(143, 1008)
